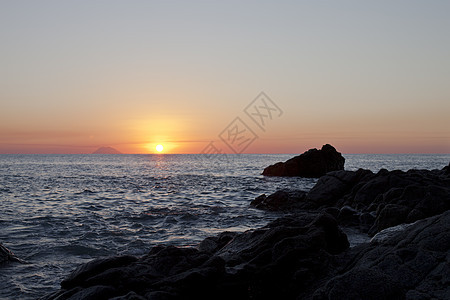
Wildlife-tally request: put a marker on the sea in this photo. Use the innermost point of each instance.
(59, 211)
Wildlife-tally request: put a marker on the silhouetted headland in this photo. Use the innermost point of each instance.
(106, 150)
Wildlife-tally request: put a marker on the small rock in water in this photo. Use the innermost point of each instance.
(6, 255)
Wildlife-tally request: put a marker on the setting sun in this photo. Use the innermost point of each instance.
(159, 148)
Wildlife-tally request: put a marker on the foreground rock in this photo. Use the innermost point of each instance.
(412, 264)
(283, 260)
(312, 164)
(282, 200)
(392, 198)
(302, 256)
(370, 201)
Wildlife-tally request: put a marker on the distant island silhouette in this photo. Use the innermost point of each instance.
(106, 150)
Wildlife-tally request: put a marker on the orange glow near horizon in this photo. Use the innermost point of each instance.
(259, 147)
(352, 84)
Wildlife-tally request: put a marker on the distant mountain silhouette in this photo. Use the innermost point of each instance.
(106, 150)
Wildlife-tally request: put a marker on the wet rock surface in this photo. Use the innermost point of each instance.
(283, 259)
(312, 164)
(282, 200)
(369, 201)
(302, 256)
(392, 198)
(414, 263)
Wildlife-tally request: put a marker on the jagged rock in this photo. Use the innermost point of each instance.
(92, 268)
(348, 216)
(281, 259)
(388, 233)
(215, 243)
(447, 169)
(313, 164)
(303, 256)
(282, 200)
(335, 185)
(412, 263)
(392, 197)
(368, 201)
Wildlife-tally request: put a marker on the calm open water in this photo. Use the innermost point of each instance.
(58, 211)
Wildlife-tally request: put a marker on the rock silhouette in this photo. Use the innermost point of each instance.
(6, 255)
(312, 164)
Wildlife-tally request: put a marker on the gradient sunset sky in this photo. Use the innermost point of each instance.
(366, 77)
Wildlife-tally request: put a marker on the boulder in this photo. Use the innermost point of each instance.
(281, 200)
(283, 259)
(312, 164)
(93, 268)
(411, 263)
(335, 185)
(447, 169)
(299, 256)
(370, 202)
(382, 200)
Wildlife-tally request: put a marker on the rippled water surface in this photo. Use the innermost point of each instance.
(62, 210)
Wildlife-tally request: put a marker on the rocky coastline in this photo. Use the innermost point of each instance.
(304, 254)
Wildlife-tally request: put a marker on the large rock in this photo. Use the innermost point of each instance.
(335, 185)
(313, 164)
(303, 256)
(283, 259)
(414, 263)
(371, 202)
(447, 169)
(392, 197)
(282, 200)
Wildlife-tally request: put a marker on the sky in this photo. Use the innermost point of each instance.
(366, 77)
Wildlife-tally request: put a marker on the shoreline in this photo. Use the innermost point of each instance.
(304, 253)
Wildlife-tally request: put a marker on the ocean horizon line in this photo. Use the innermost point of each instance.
(234, 154)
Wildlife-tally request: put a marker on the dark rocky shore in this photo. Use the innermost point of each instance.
(305, 254)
